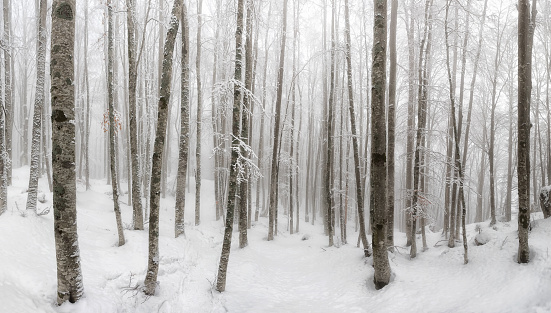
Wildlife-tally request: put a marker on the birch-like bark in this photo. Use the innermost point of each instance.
(37, 113)
(162, 115)
(8, 97)
(69, 277)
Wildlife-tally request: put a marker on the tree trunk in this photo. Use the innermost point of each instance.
(199, 116)
(69, 276)
(275, 156)
(164, 100)
(378, 179)
(8, 106)
(232, 192)
(137, 216)
(184, 131)
(38, 104)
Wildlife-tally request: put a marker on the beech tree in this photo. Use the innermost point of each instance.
(150, 282)
(69, 277)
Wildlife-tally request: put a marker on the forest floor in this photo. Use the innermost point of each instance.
(293, 273)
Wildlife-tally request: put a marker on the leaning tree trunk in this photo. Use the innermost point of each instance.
(184, 131)
(69, 276)
(378, 148)
(359, 189)
(232, 192)
(137, 216)
(277, 120)
(162, 115)
(112, 127)
(38, 104)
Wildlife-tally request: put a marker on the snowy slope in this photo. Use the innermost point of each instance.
(287, 275)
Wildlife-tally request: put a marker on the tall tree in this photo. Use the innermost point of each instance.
(157, 160)
(378, 207)
(8, 106)
(199, 115)
(88, 108)
(391, 123)
(112, 127)
(524, 89)
(137, 216)
(232, 192)
(38, 104)
(69, 276)
(184, 130)
(357, 167)
(329, 153)
(277, 121)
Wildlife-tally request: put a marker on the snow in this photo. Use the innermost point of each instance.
(289, 274)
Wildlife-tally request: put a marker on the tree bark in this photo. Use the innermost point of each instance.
(69, 276)
(378, 179)
(275, 156)
(8, 85)
(160, 136)
(199, 115)
(38, 104)
(137, 216)
(232, 192)
(184, 131)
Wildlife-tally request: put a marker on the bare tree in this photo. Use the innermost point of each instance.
(232, 192)
(8, 85)
(160, 136)
(69, 276)
(199, 115)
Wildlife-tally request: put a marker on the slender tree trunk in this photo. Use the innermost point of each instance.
(137, 216)
(184, 130)
(391, 123)
(164, 100)
(199, 115)
(88, 109)
(275, 156)
(112, 126)
(357, 166)
(8, 97)
(3, 153)
(232, 192)
(69, 276)
(38, 104)
(214, 117)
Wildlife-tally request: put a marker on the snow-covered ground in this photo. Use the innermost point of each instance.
(286, 275)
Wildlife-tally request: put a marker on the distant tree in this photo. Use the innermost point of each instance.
(69, 275)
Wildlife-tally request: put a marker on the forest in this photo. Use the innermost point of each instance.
(349, 155)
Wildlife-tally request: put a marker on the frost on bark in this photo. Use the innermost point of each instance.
(37, 114)
(199, 116)
(232, 191)
(150, 282)
(272, 213)
(184, 131)
(410, 124)
(3, 154)
(69, 277)
(329, 158)
(357, 167)
(112, 126)
(8, 107)
(378, 200)
(137, 216)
